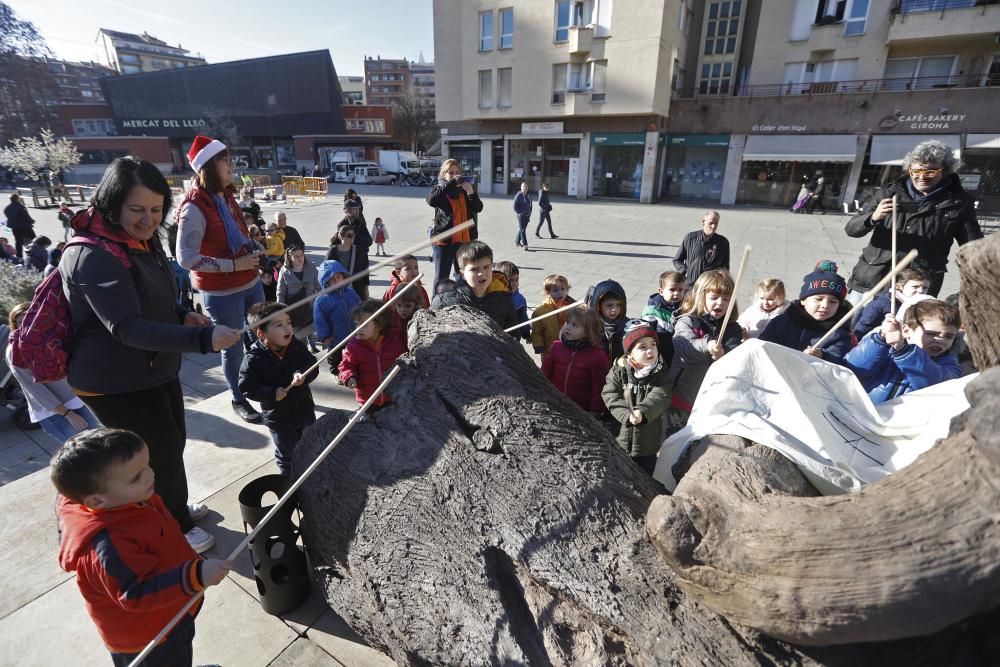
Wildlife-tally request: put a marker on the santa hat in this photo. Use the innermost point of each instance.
(202, 150)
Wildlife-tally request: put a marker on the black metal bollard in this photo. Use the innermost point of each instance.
(279, 565)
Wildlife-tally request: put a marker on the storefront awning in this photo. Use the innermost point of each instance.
(802, 148)
(982, 141)
(892, 148)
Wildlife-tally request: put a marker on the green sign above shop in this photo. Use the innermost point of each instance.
(718, 140)
(619, 139)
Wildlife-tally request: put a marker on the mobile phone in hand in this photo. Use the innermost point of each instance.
(471, 180)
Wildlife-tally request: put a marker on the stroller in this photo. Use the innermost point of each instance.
(11, 396)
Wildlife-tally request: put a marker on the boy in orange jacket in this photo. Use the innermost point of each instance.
(133, 565)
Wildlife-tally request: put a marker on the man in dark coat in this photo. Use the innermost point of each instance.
(702, 250)
(522, 208)
(21, 224)
(933, 211)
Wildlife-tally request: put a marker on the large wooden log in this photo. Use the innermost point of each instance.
(483, 518)
(979, 263)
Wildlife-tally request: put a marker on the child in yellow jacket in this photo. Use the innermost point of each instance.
(545, 332)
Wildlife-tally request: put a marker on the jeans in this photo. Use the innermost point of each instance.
(285, 437)
(61, 430)
(445, 262)
(522, 230)
(175, 651)
(544, 216)
(157, 416)
(230, 310)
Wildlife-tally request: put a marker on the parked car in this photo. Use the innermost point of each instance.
(372, 176)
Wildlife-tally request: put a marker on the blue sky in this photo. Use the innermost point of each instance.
(231, 30)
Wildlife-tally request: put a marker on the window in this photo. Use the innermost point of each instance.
(504, 80)
(562, 21)
(93, 128)
(559, 74)
(856, 18)
(722, 27)
(598, 77)
(716, 78)
(507, 28)
(918, 73)
(575, 81)
(830, 11)
(600, 16)
(486, 31)
(485, 88)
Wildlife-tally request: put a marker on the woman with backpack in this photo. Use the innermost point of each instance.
(214, 244)
(128, 333)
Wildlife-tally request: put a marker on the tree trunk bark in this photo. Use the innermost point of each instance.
(979, 263)
(483, 518)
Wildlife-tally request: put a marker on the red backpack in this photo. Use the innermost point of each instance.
(40, 345)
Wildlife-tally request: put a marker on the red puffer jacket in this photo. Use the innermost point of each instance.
(367, 362)
(578, 374)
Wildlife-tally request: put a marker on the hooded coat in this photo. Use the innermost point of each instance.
(887, 373)
(263, 371)
(624, 392)
(580, 374)
(332, 311)
(614, 331)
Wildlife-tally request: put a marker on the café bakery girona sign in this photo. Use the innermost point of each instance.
(159, 123)
(922, 121)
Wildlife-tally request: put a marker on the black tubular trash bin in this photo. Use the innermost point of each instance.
(279, 564)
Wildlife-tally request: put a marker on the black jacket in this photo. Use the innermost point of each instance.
(18, 218)
(796, 329)
(292, 237)
(948, 215)
(497, 304)
(543, 201)
(699, 253)
(263, 372)
(444, 217)
(127, 329)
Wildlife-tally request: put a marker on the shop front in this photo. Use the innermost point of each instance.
(980, 172)
(469, 155)
(617, 164)
(542, 160)
(776, 166)
(695, 167)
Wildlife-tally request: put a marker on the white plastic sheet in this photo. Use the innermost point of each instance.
(815, 413)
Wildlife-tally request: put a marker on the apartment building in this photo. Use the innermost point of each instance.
(128, 53)
(422, 80)
(843, 89)
(386, 80)
(575, 93)
(353, 88)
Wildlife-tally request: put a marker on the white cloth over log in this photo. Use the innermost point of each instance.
(815, 413)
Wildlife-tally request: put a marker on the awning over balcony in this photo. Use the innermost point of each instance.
(801, 148)
(892, 148)
(982, 141)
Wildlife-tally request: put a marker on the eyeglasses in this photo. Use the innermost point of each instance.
(930, 173)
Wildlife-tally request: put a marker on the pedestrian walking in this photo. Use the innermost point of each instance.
(21, 224)
(522, 208)
(65, 216)
(702, 250)
(544, 211)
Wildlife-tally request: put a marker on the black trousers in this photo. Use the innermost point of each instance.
(175, 651)
(22, 238)
(544, 216)
(157, 416)
(445, 263)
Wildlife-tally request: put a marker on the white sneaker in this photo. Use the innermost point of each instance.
(199, 540)
(198, 511)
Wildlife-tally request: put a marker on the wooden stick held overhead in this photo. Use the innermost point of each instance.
(361, 326)
(355, 418)
(732, 301)
(895, 217)
(360, 274)
(868, 296)
(569, 306)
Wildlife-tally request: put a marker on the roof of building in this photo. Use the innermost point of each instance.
(145, 38)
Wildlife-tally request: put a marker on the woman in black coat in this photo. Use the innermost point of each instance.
(21, 224)
(454, 202)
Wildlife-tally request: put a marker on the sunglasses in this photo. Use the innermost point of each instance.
(926, 172)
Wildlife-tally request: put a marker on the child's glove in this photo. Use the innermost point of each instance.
(214, 570)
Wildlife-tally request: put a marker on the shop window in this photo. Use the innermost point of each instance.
(504, 82)
(562, 21)
(486, 31)
(485, 88)
(559, 83)
(856, 18)
(507, 28)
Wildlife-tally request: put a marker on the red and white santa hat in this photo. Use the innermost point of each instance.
(202, 150)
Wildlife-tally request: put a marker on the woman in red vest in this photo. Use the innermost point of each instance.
(213, 243)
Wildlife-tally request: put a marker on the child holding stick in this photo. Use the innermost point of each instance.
(545, 332)
(370, 353)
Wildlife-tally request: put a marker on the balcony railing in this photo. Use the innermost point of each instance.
(913, 6)
(842, 87)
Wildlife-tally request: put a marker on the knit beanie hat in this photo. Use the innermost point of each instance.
(202, 150)
(824, 280)
(639, 329)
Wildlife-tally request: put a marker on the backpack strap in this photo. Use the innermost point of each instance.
(115, 249)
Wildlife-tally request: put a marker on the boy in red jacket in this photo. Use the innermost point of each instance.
(371, 353)
(133, 565)
(405, 269)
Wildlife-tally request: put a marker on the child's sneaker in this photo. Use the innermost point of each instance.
(198, 511)
(199, 540)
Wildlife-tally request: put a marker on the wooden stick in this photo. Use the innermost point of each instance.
(868, 296)
(570, 306)
(892, 291)
(732, 301)
(355, 418)
(361, 326)
(360, 274)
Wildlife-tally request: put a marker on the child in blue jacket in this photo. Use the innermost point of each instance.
(820, 305)
(332, 311)
(903, 358)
